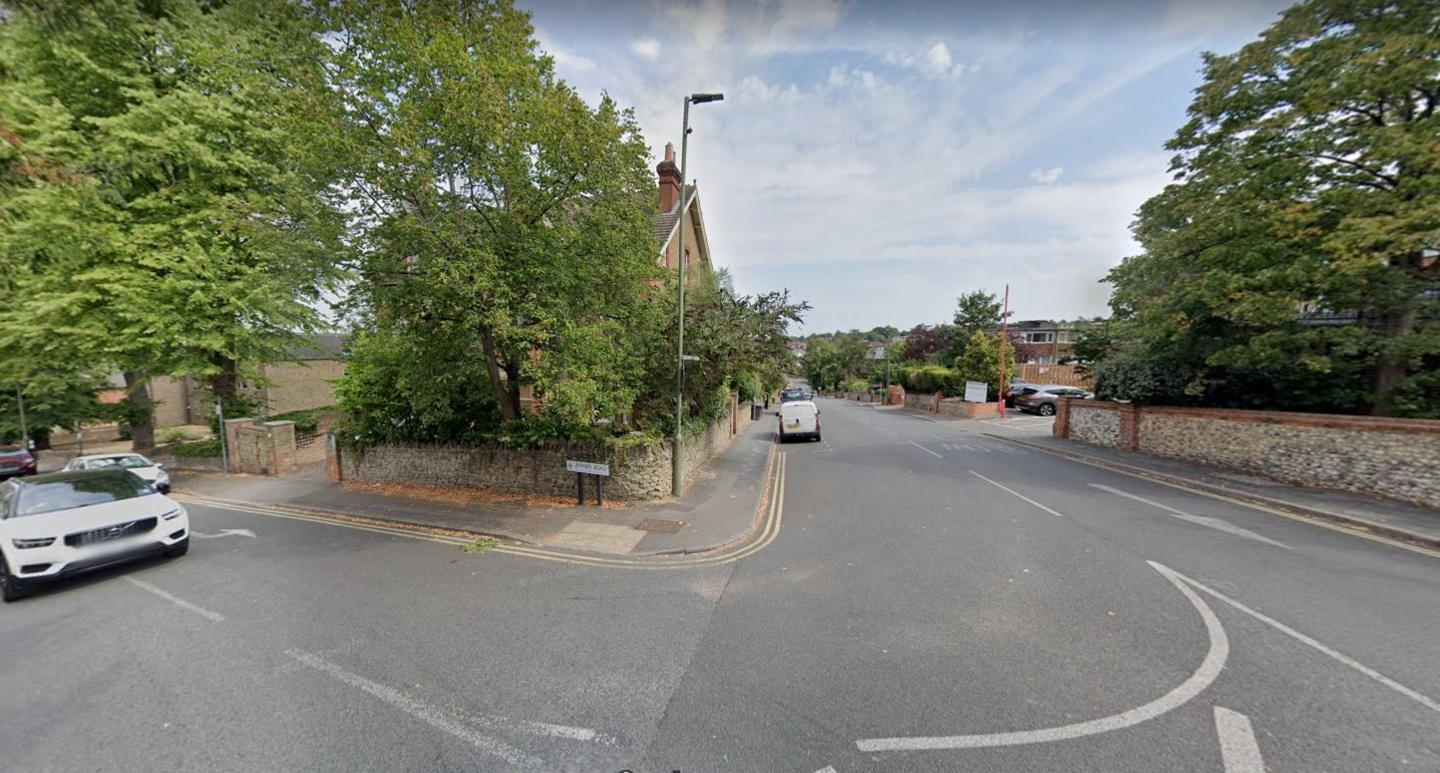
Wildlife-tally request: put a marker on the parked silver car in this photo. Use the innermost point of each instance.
(1043, 398)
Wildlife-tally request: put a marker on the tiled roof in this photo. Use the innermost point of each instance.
(665, 221)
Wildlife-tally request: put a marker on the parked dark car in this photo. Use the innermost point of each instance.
(16, 460)
(1043, 398)
(793, 394)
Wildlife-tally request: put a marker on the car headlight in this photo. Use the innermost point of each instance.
(36, 542)
(161, 477)
(173, 514)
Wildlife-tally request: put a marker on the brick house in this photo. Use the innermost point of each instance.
(1049, 341)
(300, 382)
(668, 220)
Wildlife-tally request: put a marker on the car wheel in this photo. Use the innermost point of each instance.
(1046, 409)
(178, 549)
(10, 588)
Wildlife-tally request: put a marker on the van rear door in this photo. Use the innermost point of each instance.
(797, 418)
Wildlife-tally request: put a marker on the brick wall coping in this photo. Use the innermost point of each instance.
(1288, 418)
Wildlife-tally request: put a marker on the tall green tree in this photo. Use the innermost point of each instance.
(501, 213)
(1293, 262)
(161, 210)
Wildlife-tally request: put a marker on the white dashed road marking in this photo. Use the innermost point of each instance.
(1238, 749)
(214, 617)
(926, 450)
(1003, 487)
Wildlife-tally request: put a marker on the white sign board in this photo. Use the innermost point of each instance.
(589, 468)
(975, 391)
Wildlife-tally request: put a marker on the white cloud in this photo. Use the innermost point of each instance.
(900, 162)
(1047, 176)
(565, 61)
(934, 62)
(646, 48)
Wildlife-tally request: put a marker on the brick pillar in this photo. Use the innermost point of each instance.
(1061, 427)
(231, 433)
(895, 395)
(280, 443)
(1129, 427)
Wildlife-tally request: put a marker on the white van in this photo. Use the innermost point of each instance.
(799, 419)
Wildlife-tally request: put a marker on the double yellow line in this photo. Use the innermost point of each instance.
(772, 504)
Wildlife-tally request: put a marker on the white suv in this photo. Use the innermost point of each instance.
(63, 523)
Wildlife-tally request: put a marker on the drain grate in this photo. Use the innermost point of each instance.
(660, 524)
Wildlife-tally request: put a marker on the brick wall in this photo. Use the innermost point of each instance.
(635, 474)
(172, 401)
(297, 386)
(954, 407)
(1393, 458)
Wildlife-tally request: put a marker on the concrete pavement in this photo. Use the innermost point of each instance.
(933, 599)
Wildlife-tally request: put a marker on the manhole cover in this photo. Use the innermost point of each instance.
(660, 524)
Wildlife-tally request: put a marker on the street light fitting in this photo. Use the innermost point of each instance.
(703, 98)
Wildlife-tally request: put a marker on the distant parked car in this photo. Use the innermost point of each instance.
(63, 523)
(149, 471)
(15, 461)
(792, 394)
(1043, 398)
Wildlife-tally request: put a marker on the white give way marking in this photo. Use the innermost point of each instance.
(1214, 523)
(223, 533)
(462, 726)
(1209, 669)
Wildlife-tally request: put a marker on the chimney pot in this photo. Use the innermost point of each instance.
(669, 176)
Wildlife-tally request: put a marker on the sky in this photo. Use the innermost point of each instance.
(879, 159)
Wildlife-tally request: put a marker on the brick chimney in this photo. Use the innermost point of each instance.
(669, 179)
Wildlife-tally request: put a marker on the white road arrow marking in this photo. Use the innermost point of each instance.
(1238, 749)
(223, 533)
(1209, 669)
(1214, 523)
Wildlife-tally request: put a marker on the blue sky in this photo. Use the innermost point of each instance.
(879, 159)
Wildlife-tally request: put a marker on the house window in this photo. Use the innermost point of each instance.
(1039, 338)
(1065, 336)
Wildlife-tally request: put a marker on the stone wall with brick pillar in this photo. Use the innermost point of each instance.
(1392, 458)
(636, 474)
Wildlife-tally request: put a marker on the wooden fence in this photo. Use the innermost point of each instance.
(1054, 374)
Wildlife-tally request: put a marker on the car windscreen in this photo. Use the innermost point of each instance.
(121, 462)
(50, 496)
(13, 452)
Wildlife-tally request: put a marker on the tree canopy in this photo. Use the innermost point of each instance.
(161, 207)
(1292, 263)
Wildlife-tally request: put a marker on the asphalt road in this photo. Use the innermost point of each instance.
(935, 600)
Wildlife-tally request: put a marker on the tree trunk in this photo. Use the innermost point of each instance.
(509, 409)
(1391, 369)
(142, 413)
(225, 384)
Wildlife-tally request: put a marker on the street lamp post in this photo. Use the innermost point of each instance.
(677, 478)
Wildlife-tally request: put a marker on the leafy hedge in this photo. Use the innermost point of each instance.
(199, 448)
(929, 379)
(306, 421)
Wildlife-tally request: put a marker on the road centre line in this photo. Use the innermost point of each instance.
(1239, 751)
(1210, 668)
(1003, 487)
(431, 715)
(926, 450)
(1214, 523)
(214, 617)
(1423, 700)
